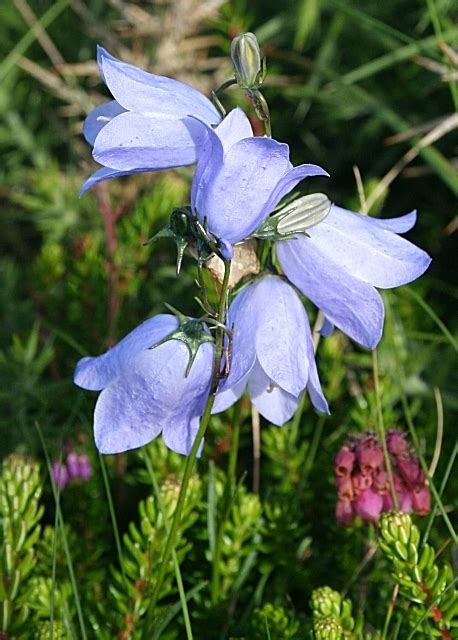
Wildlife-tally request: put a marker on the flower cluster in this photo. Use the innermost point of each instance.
(159, 378)
(363, 485)
(76, 467)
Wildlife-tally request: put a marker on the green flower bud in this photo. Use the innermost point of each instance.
(327, 628)
(396, 525)
(45, 631)
(295, 217)
(249, 69)
(325, 602)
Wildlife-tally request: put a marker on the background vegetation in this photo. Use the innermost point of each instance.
(365, 89)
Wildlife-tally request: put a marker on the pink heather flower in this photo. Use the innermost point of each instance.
(345, 488)
(85, 470)
(344, 512)
(369, 505)
(421, 500)
(397, 443)
(411, 471)
(345, 460)
(380, 482)
(369, 454)
(361, 482)
(73, 466)
(59, 474)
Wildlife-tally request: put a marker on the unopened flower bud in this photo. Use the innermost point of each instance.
(325, 602)
(397, 443)
(327, 628)
(73, 466)
(345, 460)
(369, 505)
(246, 60)
(295, 217)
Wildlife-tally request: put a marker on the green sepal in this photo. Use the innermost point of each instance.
(191, 332)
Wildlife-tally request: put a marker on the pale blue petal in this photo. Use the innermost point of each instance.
(351, 304)
(180, 430)
(401, 224)
(289, 180)
(235, 126)
(281, 333)
(313, 385)
(97, 373)
(242, 320)
(99, 118)
(134, 140)
(225, 399)
(151, 396)
(367, 251)
(234, 201)
(138, 90)
(209, 163)
(275, 404)
(107, 174)
(327, 329)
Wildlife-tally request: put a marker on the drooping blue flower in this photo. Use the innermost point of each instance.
(240, 178)
(272, 352)
(147, 391)
(146, 127)
(344, 258)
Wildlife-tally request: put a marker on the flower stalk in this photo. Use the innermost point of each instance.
(190, 462)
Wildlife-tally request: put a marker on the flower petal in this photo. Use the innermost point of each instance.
(367, 251)
(290, 179)
(134, 140)
(138, 90)
(281, 333)
(401, 224)
(99, 117)
(243, 319)
(180, 430)
(234, 201)
(313, 384)
(225, 399)
(235, 126)
(351, 304)
(107, 174)
(151, 396)
(275, 404)
(97, 373)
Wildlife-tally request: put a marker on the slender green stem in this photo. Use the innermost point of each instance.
(114, 522)
(262, 109)
(190, 462)
(181, 591)
(381, 429)
(229, 491)
(389, 611)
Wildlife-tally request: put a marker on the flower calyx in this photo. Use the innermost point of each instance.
(295, 218)
(191, 331)
(185, 229)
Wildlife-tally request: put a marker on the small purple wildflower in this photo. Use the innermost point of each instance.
(60, 474)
